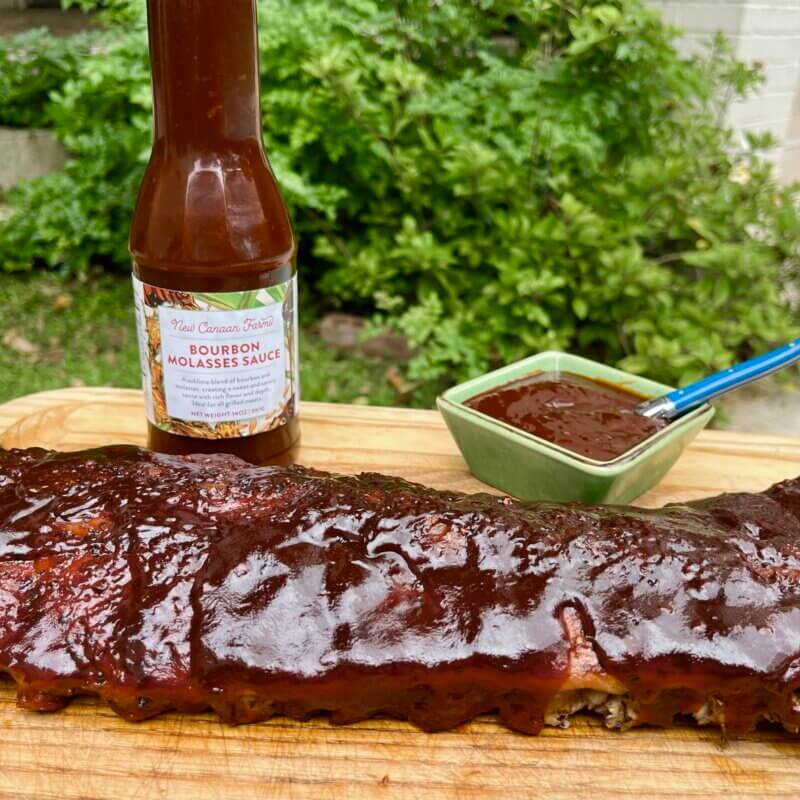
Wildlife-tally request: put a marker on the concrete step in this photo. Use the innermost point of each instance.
(60, 23)
(28, 153)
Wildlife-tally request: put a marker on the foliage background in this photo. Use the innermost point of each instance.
(488, 177)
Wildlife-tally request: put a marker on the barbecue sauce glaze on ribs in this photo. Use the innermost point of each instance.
(161, 582)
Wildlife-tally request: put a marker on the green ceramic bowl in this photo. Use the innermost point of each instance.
(531, 468)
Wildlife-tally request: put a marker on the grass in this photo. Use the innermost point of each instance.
(56, 333)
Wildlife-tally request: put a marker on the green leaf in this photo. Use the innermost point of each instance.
(580, 307)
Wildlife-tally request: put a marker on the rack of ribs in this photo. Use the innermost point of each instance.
(189, 583)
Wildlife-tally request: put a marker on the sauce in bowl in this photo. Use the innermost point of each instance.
(592, 418)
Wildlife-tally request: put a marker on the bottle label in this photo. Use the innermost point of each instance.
(218, 366)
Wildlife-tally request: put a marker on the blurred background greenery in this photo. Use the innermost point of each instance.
(471, 182)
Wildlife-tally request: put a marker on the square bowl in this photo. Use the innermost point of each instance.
(530, 468)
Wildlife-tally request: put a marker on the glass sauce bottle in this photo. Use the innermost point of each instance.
(214, 257)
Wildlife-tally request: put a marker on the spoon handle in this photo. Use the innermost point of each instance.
(696, 394)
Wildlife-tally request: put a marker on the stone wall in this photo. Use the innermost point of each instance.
(767, 32)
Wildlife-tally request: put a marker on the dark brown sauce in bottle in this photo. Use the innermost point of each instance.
(593, 418)
(210, 218)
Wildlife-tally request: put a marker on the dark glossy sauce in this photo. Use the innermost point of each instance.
(162, 582)
(589, 417)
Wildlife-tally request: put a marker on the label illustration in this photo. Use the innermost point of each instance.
(218, 366)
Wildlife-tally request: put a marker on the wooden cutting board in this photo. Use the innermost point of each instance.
(87, 752)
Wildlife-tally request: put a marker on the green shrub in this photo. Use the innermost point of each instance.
(490, 177)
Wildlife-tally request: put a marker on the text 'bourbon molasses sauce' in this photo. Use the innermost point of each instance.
(592, 418)
(213, 249)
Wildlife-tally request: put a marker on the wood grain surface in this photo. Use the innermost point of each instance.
(87, 752)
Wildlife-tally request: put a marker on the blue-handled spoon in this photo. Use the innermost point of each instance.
(678, 402)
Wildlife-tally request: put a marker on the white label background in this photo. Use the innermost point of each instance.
(141, 332)
(224, 393)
